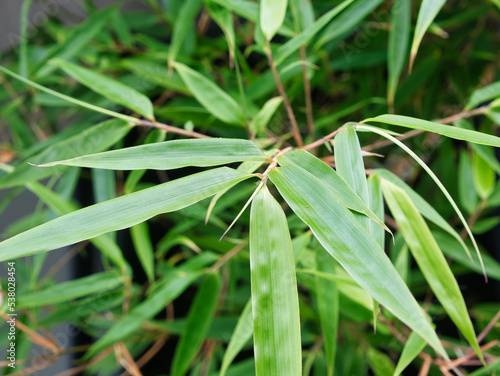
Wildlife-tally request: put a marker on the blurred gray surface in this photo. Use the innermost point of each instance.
(70, 12)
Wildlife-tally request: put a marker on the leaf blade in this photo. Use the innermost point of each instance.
(271, 16)
(169, 155)
(275, 304)
(108, 87)
(351, 245)
(120, 212)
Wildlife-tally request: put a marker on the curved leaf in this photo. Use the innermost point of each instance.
(211, 96)
(108, 87)
(445, 130)
(413, 346)
(426, 14)
(169, 155)
(182, 23)
(352, 246)
(430, 259)
(272, 15)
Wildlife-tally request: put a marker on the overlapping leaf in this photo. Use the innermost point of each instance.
(430, 259)
(352, 246)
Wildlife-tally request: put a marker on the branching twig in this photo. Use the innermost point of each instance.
(171, 129)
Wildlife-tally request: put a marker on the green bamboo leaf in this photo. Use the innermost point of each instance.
(380, 363)
(466, 191)
(426, 209)
(445, 130)
(108, 87)
(198, 322)
(349, 165)
(74, 43)
(156, 135)
(327, 295)
(345, 238)
(272, 14)
(183, 22)
(483, 176)
(449, 246)
(331, 179)
(224, 18)
(275, 303)
(426, 14)
(260, 121)
(120, 212)
(66, 291)
(78, 102)
(482, 95)
(377, 206)
(241, 335)
(413, 346)
(430, 259)
(436, 180)
(170, 288)
(144, 249)
(94, 139)
(211, 96)
(310, 32)
(347, 21)
(399, 35)
(59, 205)
(171, 155)
(250, 11)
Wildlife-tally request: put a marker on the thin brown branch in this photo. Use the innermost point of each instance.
(307, 94)
(171, 129)
(125, 359)
(488, 328)
(322, 140)
(295, 128)
(78, 370)
(227, 256)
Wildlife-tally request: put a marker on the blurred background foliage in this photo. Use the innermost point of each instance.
(346, 64)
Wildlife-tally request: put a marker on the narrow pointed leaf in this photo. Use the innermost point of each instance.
(198, 322)
(92, 140)
(241, 335)
(445, 130)
(211, 96)
(426, 209)
(144, 248)
(147, 309)
(60, 206)
(260, 121)
(78, 102)
(275, 304)
(75, 41)
(430, 259)
(399, 35)
(413, 346)
(120, 212)
(482, 95)
(224, 18)
(377, 206)
(310, 32)
(349, 165)
(426, 14)
(182, 23)
(347, 21)
(327, 295)
(352, 246)
(483, 176)
(272, 15)
(66, 291)
(170, 155)
(331, 179)
(108, 87)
